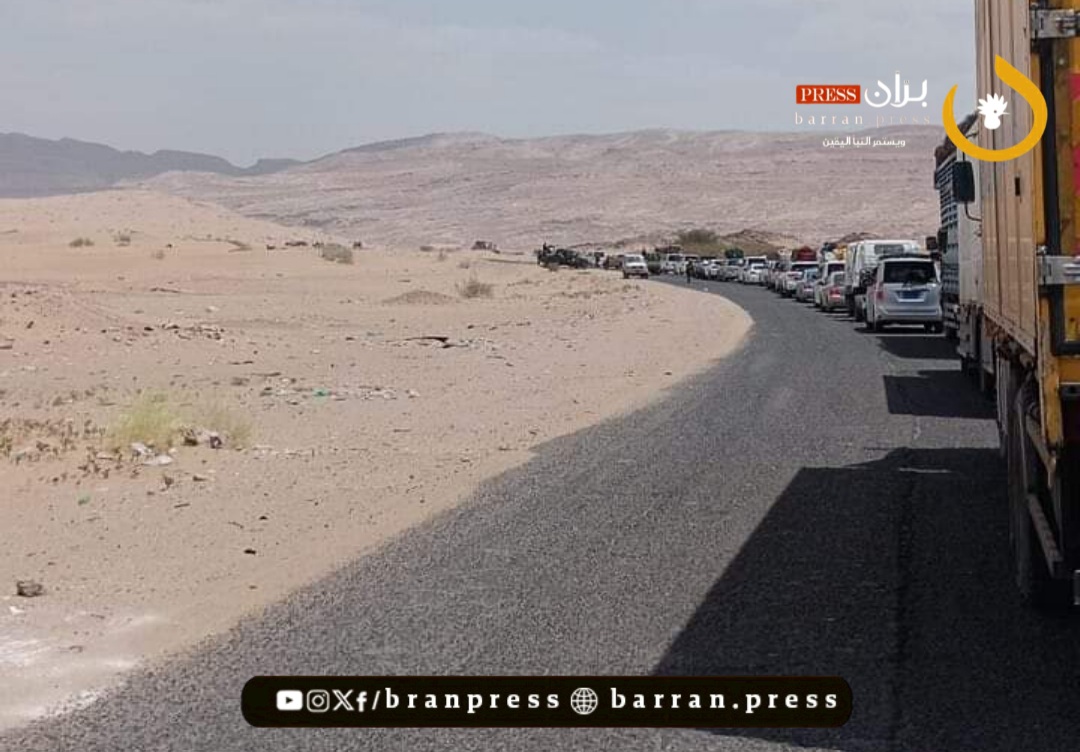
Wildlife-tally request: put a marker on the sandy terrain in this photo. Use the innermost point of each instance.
(458, 188)
(340, 427)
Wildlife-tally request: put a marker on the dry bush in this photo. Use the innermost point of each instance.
(158, 255)
(443, 255)
(339, 254)
(427, 248)
(474, 288)
(465, 265)
(81, 243)
(123, 239)
(155, 419)
(150, 420)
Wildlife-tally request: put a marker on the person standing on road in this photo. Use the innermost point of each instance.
(688, 277)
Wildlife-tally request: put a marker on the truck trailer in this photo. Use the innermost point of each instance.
(1030, 286)
(959, 242)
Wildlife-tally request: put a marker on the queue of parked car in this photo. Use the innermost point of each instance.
(877, 282)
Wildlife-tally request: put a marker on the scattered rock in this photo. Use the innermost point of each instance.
(203, 437)
(140, 450)
(160, 460)
(29, 589)
(7, 344)
(250, 551)
(199, 478)
(239, 381)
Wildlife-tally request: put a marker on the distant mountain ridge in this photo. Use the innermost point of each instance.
(451, 189)
(32, 166)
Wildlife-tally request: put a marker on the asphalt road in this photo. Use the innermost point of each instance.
(825, 501)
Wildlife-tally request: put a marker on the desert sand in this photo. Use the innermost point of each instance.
(352, 401)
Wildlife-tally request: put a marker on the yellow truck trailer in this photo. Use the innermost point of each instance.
(1030, 284)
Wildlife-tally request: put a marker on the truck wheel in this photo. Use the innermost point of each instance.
(1033, 580)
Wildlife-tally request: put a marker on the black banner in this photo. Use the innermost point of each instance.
(546, 701)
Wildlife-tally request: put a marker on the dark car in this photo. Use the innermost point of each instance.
(562, 257)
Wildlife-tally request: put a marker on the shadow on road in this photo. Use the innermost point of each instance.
(914, 344)
(922, 395)
(894, 574)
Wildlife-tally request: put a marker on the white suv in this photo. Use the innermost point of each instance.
(905, 290)
(633, 265)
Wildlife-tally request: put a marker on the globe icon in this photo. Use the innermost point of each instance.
(584, 701)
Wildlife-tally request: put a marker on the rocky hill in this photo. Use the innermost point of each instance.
(453, 189)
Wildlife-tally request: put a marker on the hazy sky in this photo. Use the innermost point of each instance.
(300, 78)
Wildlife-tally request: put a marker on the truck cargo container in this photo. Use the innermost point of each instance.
(1029, 287)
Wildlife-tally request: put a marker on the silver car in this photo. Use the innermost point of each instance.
(905, 290)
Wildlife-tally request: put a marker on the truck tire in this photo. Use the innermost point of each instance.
(1034, 583)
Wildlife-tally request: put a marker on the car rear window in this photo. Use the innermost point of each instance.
(909, 272)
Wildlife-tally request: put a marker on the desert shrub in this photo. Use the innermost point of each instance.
(701, 241)
(465, 265)
(698, 237)
(81, 243)
(427, 248)
(339, 254)
(474, 288)
(158, 255)
(123, 239)
(155, 419)
(151, 419)
(443, 255)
